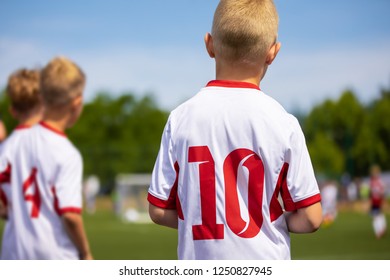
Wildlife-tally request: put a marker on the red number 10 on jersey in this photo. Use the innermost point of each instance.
(210, 229)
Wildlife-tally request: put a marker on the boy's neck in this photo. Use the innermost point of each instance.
(247, 74)
(30, 119)
(58, 121)
(60, 126)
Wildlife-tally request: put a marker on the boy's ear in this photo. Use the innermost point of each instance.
(208, 40)
(77, 101)
(272, 53)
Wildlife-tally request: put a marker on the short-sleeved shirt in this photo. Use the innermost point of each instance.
(44, 171)
(231, 161)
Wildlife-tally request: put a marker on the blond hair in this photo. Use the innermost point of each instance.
(23, 90)
(61, 81)
(244, 30)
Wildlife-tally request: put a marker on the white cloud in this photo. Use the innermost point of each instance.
(296, 80)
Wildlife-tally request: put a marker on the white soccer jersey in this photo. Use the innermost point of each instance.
(5, 168)
(225, 157)
(45, 171)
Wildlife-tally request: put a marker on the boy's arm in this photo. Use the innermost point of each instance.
(74, 226)
(299, 187)
(305, 220)
(163, 217)
(67, 192)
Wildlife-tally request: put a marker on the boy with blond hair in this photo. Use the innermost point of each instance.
(231, 153)
(46, 175)
(26, 107)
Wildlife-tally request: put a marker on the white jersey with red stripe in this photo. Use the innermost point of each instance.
(45, 173)
(231, 161)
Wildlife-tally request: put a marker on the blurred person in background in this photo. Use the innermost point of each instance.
(329, 193)
(91, 190)
(377, 197)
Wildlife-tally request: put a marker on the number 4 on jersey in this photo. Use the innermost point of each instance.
(31, 193)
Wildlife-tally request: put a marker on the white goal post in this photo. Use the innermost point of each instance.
(131, 192)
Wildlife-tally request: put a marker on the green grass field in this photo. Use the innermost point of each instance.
(350, 237)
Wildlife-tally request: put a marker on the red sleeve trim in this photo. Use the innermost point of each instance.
(160, 203)
(289, 204)
(62, 211)
(308, 201)
(173, 201)
(76, 210)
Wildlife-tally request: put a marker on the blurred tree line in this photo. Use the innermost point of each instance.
(122, 134)
(345, 136)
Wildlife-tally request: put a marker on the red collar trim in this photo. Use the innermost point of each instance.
(45, 125)
(22, 126)
(231, 84)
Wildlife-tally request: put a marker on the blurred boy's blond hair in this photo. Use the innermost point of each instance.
(23, 91)
(61, 81)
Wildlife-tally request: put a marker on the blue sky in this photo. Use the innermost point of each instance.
(157, 46)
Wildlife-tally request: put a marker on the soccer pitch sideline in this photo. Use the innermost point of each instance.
(350, 237)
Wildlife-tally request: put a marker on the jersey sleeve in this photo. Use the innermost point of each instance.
(301, 185)
(67, 190)
(163, 188)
